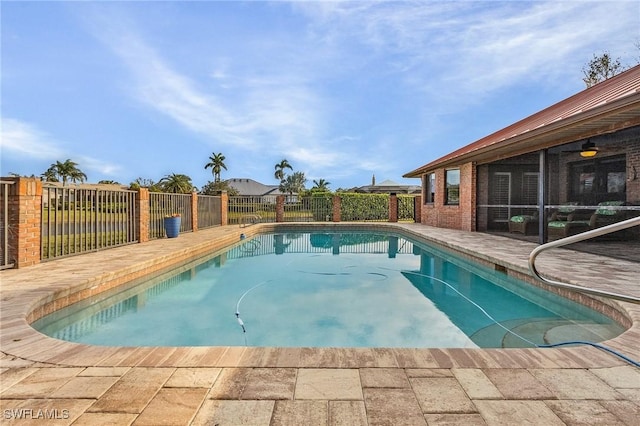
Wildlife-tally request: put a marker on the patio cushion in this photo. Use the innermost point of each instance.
(605, 211)
(521, 218)
(563, 224)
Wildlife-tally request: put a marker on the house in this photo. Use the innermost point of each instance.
(576, 154)
(388, 187)
(250, 187)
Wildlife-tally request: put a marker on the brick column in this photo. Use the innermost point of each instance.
(280, 208)
(337, 208)
(224, 208)
(417, 209)
(25, 221)
(194, 211)
(393, 208)
(142, 214)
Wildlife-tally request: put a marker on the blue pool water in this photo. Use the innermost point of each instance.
(308, 289)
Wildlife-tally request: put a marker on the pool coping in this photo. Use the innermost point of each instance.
(30, 293)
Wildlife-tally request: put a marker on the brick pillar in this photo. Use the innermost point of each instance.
(417, 209)
(280, 208)
(393, 208)
(25, 221)
(337, 208)
(142, 214)
(194, 211)
(224, 208)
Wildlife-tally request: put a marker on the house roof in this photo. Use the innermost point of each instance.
(609, 106)
(246, 186)
(389, 186)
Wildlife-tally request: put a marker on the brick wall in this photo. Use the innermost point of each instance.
(24, 205)
(461, 216)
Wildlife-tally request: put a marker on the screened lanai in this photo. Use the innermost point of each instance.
(563, 190)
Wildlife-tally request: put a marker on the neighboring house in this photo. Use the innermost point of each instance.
(251, 188)
(584, 150)
(388, 187)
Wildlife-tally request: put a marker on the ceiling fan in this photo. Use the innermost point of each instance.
(587, 150)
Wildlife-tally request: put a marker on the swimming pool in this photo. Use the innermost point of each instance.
(330, 289)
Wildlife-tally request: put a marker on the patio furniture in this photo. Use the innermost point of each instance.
(606, 215)
(569, 220)
(526, 224)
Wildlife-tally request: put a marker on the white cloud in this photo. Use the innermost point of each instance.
(26, 140)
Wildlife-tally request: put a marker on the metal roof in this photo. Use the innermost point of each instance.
(246, 186)
(609, 106)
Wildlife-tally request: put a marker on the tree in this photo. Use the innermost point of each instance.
(50, 175)
(293, 184)
(65, 171)
(176, 183)
(280, 174)
(216, 162)
(145, 183)
(108, 182)
(214, 188)
(320, 185)
(601, 68)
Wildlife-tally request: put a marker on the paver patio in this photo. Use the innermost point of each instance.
(64, 383)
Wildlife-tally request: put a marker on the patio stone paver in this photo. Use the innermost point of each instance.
(91, 385)
(172, 406)
(509, 413)
(330, 383)
(193, 378)
(476, 384)
(104, 371)
(133, 391)
(105, 419)
(583, 413)
(619, 377)
(454, 419)
(396, 407)
(518, 384)
(441, 395)
(310, 413)
(234, 412)
(84, 387)
(347, 413)
(575, 384)
(626, 411)
(42, 382)
(384, 378)
(270, 383)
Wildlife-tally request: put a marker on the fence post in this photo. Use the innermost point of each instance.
(25, 221)
(279, 208)
(393, 207)
(224, 208)
(194, 211)
(142, 214)
(417, 209)
(337, 208)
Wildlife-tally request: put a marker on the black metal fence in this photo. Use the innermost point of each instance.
(5, 237)
(78, 220)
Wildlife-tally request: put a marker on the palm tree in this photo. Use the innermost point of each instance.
(279, 174)
(321, 185)
(66, 171)
(50, 175)
(176, 183)
(293, 184)
(217, 164)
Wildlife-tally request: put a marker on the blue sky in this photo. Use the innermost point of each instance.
(342, 90)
